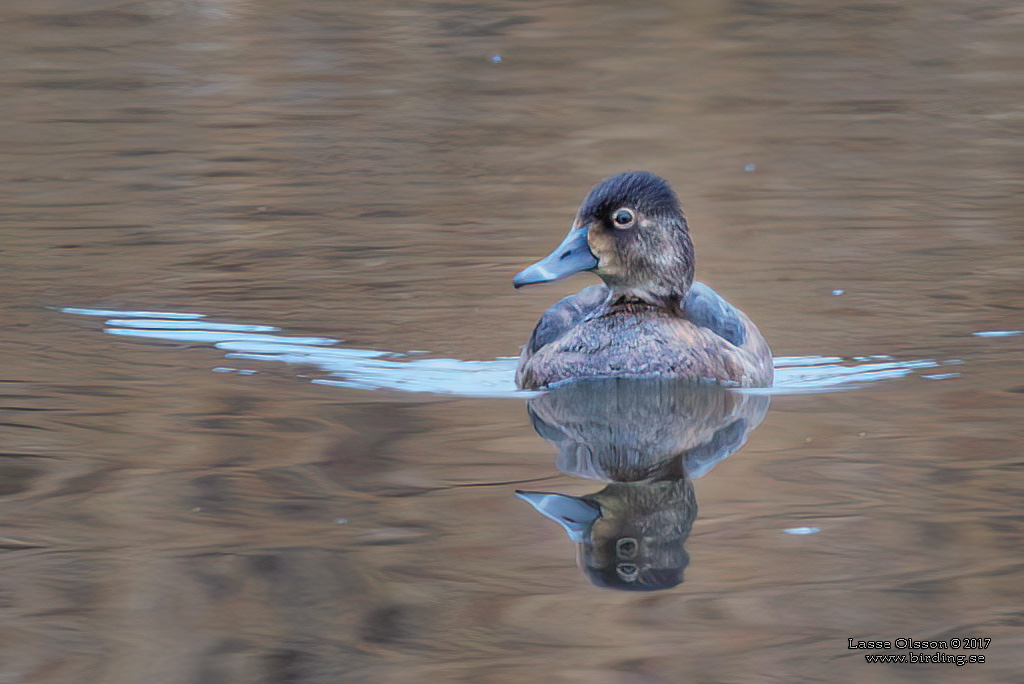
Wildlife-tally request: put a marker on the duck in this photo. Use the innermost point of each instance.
(648, 317)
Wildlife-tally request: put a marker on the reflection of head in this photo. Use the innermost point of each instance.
(630, 535)
(648, 438)
(637, 543)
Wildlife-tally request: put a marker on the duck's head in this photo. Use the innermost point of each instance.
(630, 231)
(629, 536)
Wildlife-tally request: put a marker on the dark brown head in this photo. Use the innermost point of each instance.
(629, 230)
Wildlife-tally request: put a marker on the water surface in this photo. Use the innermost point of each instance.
(367, 177)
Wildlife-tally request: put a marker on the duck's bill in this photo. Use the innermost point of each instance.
(575, 514)
(572, 256)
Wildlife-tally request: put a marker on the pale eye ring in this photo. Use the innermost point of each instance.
(624, 217)
(628, 571)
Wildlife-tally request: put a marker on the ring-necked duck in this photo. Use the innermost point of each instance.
(649, 317)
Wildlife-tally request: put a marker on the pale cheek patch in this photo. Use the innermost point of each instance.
(603, 248)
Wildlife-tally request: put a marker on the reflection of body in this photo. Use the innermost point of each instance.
(649, 318)
(647, 439)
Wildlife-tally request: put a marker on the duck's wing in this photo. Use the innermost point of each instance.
(704, 307)
(565, 314)
(708, 309)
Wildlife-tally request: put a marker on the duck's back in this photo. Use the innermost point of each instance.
(580, 338)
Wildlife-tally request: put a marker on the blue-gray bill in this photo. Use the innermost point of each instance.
(572, 256)
(574, 514)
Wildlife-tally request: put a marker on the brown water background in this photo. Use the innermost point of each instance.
(370, 171)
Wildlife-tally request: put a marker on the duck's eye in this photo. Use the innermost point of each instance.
(625, 548)
(624, 218)
(627, 571)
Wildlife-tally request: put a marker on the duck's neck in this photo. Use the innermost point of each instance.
(636, 299)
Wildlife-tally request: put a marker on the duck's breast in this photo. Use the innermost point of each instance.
(628, 344)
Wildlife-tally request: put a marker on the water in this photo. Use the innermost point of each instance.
(359, 183)
(373, 369)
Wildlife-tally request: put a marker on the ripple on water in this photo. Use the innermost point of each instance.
(379, 370)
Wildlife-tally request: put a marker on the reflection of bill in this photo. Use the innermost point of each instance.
(648, 439)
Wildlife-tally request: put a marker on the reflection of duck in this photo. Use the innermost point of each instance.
(648, 318)
(647, 438)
